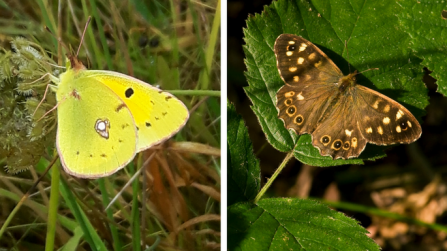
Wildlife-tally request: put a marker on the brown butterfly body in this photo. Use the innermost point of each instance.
(341, 115)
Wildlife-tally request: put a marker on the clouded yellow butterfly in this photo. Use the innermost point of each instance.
(105, 118)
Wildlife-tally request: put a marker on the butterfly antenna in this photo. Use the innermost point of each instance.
(83, 34)
(347, 55)
(371, 69)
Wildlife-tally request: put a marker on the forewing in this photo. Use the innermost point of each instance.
(383, 120)
(300, 62)
(310, 78)
(157, 114)
(339, 135)
(96, 135)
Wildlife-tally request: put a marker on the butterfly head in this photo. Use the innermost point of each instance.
(347, 81)
(75, 64)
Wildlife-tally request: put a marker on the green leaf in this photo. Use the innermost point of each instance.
(374, 40)
(293, 224)
(424, 22)
(243, 167)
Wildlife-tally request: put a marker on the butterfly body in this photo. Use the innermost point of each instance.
(341, 115)
(105, 118)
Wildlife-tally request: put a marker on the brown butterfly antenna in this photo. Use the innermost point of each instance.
(83, 34)
(347, 55)
(370, 69)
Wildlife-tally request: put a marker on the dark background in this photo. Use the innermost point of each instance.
(408, 167)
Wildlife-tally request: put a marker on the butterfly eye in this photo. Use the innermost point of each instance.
(291, 110)
(337, 145)
(346, 145)
(325, 140)
(299, 119)
(403, 126)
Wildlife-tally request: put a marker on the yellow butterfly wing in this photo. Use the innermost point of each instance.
(158, 114)
(96, 133)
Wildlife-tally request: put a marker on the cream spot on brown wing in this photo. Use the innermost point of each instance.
(308, 77)
(409, 123)
(369, 130)
(302, 47)
(291, 42)
(289, 94)
(300, 60)
(289, 53)
(376, 104)
(299, 96)
(399, 114)
(348, 133)
(293, 69)
(386, 108)
(398, 129)
(366, 118)
(386, 120)
(318, 64)
(312, 56)
(354, 142)
(380, 130)
(296, 78)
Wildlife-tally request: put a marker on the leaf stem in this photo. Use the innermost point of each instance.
(275, 174)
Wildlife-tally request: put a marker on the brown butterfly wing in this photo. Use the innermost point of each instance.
(383, 120)
(339, 135)
(310, 79)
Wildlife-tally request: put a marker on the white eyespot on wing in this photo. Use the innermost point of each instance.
(296, 78)
(292, 42)
(386, 120)
(292, 69)
(409, 123)
(299, 96)
(398, 129)
(289, 53)
(369, 130)
(312, 56)
(386, 108)
(102, 127)
(300, 60)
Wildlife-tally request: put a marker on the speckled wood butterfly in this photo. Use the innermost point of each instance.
(341, 115)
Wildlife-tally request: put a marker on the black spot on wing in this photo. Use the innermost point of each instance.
(129, 92)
